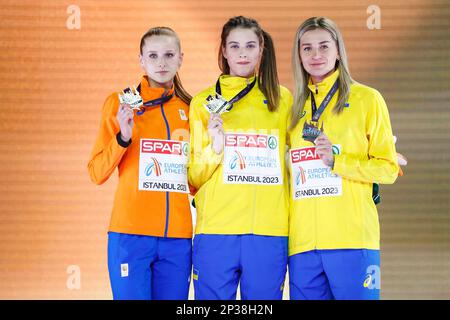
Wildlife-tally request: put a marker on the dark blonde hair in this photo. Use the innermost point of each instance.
(301, 77)
(180, 92)
(267, 74)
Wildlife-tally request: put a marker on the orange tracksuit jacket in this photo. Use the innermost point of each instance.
(152, 213)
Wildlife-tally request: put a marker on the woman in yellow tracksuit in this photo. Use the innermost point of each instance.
(237, 165)
(341, 143)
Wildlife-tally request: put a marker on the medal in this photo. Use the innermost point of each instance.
(218, 104)
(311, 131)
(133, 99)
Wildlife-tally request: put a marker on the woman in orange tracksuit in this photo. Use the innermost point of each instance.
(149, 239)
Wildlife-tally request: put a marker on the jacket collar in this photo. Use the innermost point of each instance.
(322, 88)
(151, 93)
(233, 84)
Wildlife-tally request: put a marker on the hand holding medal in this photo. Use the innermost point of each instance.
(125, 116)
(324, 149)
(215, 130)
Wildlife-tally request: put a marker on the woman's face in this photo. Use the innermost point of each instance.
(318, 53)
(161, 59)
(242, 51)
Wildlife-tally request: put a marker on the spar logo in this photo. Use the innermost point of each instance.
(185, 149)
(304, 154)
(309, 153)
(273, 142)
(163, 147)
(153, 168)
(300, 176)
(247, 140)
(336, 150)
(238, 159)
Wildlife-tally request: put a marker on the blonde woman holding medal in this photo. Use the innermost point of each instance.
(341, 143)
(141, 134)
(238, 137)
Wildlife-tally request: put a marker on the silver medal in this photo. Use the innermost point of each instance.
(132, 98)
(216, 104)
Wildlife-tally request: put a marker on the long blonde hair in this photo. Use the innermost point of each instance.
(301, 77)
(180, 92)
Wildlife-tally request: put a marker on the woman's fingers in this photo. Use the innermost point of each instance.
(215, 132)
(125, 117)
(125, 108)
(321, 139)
(214, 124)
(215, 116)
(322, 148)
(215, 119)
(125, 111)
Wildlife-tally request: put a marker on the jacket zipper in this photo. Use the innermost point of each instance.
(254, 191)
(166, 229)
(315, 211)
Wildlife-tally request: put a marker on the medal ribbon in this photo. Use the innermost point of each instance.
(237, 97)
(316, 113)
(151, 103)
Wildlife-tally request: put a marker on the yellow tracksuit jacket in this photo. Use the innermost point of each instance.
(232, 208)
(363, 131)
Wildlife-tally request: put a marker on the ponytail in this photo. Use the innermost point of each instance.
(180, 92)
(267, 75)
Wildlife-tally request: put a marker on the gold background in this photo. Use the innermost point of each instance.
(54, 82)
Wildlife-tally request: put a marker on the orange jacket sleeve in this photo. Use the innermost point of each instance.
(107, 153)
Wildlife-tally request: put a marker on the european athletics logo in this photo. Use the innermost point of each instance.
(237, 159)
(153, 167)
(300, 176)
